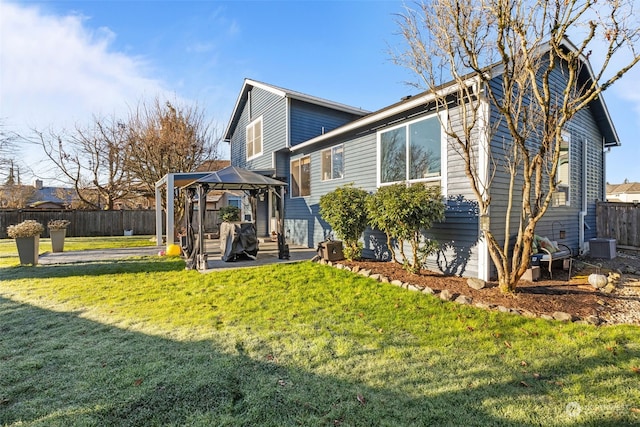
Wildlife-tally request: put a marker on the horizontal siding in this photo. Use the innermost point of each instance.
(311, 120)
(273, 110)
(458, 235)
(584, 132)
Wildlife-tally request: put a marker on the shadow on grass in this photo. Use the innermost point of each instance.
(97, 268)
(58, 369)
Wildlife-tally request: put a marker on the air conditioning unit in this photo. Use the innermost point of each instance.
(602, 248)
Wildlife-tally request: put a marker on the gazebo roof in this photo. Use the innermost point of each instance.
(235, 178)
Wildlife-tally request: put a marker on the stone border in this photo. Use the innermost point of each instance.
(448, 296)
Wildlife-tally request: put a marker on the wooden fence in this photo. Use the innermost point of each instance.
(85, 222)
(620, 221)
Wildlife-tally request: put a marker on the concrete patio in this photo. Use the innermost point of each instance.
(267, 254)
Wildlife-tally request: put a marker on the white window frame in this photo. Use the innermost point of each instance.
(331, 151)
(566, 186)
(252, 126)
(442, 179)
(291, 168)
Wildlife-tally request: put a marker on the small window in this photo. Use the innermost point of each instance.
(301, 177)
(254, 138)
(563, 175)
(332, 163)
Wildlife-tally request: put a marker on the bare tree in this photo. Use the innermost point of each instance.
(503, 58)
(7, 146)
(164, 138)
(92, 160)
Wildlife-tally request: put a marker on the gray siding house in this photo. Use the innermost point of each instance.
(318, 145)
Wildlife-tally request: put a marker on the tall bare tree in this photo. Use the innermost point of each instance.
(503, 56)
(165, 138)
(92, 160)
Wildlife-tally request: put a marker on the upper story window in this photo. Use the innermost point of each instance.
(412, 152)
(563, 176)
(254, 138)
(301, 177)
(332, 163)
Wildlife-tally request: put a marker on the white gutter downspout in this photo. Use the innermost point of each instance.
(583, 211)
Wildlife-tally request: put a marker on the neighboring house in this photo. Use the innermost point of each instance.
(318, 145)
(627, 192)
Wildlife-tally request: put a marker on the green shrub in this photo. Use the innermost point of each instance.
(230, 213)
(345, 211)
(403, 212)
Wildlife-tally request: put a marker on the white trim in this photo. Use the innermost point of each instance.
(246, 132)
(393, 110)
(484, 260)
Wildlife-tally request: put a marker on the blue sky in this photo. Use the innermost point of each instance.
(63, 61)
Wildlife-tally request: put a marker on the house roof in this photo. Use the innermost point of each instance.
(284, 93)
(598, 106)
(624, 188)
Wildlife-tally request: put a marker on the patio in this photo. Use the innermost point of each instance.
(267, 254)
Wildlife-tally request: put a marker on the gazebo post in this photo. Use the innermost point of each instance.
(202, 206)
(283, 248)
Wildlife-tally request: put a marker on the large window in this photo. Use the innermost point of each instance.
(411, 152)
(254, 138)
(301, 177)
(563, 175)
(332, 163)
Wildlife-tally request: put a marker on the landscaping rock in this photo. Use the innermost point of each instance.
(427, 290)
(375, 276)
(593, 320)
(482, 305)
(562, 316)
(340, 266)
(365, 273)
(384, 279)
(411, 287)
(446, 295)
(502, 309)
(546, 317)
(476, 284)
(397, 283)
(527, 313)
(356, 268)
(463, 299)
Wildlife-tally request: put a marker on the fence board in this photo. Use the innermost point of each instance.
(85, 222)
(620, 221)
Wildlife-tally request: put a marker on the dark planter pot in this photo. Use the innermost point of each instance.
(28, 248)
(57, 239)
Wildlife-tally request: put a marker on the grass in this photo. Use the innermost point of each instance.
(144, 342)
(9, 251)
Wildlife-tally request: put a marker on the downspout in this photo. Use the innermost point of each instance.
(583, 211)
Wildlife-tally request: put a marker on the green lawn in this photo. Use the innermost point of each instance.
(145, 342)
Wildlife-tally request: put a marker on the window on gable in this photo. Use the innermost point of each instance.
(301, 177)
(561, 197)
(332, 163)
(254, 138)
(411, 152)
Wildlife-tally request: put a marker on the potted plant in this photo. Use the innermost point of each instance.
(27, 235)
(230, 213)
(57, 232)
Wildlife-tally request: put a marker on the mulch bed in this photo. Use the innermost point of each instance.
(545, 296)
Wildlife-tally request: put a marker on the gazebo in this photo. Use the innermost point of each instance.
(233, 179)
